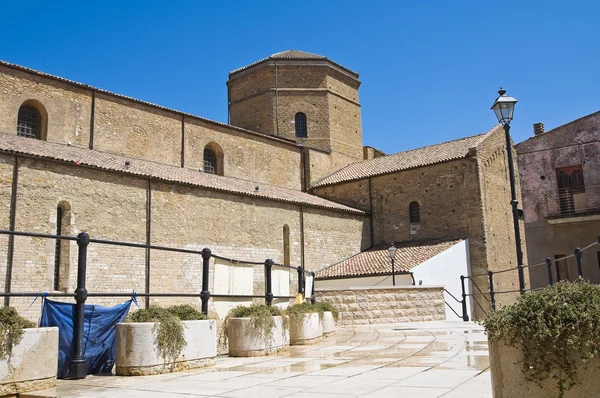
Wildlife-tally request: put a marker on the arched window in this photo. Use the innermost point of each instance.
(286, 244)
(414, 213)
(300, 123)
(213, 159)
(62, 248)
(210, 161)
(29, 122)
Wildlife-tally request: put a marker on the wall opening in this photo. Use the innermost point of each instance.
(213, 159)
(62, 248)
(32, 120)
(286, 244)
(300, 125)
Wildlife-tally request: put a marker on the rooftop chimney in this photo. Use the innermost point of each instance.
(538, 129)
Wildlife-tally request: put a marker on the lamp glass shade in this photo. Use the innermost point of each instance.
(392, 252)
(504, 108)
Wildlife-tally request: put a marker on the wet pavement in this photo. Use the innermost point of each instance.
(423, 360)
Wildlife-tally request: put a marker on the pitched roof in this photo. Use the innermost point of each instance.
(293, 55)
(11, 143)
(99, 90)
(414, 158)
(377, 261)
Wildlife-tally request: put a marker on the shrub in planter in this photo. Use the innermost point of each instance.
(174, 332)
(28, 355)
(330, 316)
(255, 330)
(554, 335)
(305, 323)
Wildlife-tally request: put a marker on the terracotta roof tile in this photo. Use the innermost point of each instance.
(377, 261)
(11, 143)
(428, 155)
(293, 55)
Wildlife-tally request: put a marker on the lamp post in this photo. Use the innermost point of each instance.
(392, 253)
(504, 108)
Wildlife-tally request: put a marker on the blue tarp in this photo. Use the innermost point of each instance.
(99, 334)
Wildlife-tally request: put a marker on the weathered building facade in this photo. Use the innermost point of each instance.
(560, 180)
(77, 158)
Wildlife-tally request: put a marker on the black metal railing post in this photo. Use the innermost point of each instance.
(577, 253)
(300, 280)
(492, 293)
(549, 265)
(205, 294)
(465, 315)
(269, 283)
(78, 366)
(313, 298)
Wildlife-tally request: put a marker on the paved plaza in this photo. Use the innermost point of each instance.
(423, 360)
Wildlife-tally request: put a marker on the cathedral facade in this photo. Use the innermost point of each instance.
(275, 182)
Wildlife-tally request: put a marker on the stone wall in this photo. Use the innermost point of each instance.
(364, 306)
(116, 206)
(140, 130)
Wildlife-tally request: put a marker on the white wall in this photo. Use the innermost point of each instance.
(445, 269)
(369, 281)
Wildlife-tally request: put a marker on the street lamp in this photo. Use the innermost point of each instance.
(504, 108)
(392, 253)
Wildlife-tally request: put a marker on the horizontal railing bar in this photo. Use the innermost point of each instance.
(29, 294)
(36, 235)
(118, 294)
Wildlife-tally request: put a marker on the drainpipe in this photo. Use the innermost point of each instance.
(371, 211)
(92, 112)
(11, 227)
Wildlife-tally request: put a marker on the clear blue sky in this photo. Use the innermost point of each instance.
(430, 70)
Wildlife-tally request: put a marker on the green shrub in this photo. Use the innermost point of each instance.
(323, 307)
(169, 338)
(556, 328)
(261, 318)
(11, 330)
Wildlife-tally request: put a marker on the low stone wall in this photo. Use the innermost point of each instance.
(370, 305)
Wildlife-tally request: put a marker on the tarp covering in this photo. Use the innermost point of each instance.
(99, 334)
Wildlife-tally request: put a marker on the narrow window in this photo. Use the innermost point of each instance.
(414, 213)
(62, 247)
(300, 123)
(286, 244)
(210, 161)
(29, 122)
(57, 249)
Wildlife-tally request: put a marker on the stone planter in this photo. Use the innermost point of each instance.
(508, 380)
(328, 323)
(246, 341)
(136, 351)
(308, 330)
(34, 363)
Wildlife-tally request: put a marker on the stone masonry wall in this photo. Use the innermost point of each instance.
(127, 127)
(497, 213)
(386, 305)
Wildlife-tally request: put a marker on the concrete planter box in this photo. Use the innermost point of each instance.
(136, 351)
(328, 323)
(246, 341)
(308, 330)
(508, 380)
(34, 363)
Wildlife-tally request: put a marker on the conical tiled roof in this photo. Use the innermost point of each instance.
(294, 55)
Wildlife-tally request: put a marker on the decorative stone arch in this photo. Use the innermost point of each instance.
(32, 120)
(213, 159)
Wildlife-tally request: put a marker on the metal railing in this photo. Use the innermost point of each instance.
(490, 296)
(78, 367)
(570, 203)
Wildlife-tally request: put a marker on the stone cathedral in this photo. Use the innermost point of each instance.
(287, 178)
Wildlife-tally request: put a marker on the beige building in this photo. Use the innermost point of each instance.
(77, 158)
(560, 179)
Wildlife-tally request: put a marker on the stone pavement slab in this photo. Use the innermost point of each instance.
(429, 359)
